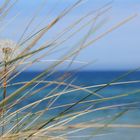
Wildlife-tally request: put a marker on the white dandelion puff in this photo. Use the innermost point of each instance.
(8, 50)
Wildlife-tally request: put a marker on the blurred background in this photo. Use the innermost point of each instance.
(119, 50)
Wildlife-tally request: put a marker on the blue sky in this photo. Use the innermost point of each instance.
(118, 50)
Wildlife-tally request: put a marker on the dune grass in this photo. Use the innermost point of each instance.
(27, 121)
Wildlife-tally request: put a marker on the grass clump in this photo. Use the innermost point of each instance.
(33, 109)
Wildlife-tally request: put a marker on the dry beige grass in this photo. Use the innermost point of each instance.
(23, 122)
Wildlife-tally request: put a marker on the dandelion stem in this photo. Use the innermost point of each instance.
(4, 93)
(6, 52)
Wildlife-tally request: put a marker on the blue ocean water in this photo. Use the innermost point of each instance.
(84, 79)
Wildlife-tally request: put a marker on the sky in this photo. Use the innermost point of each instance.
(119, 50)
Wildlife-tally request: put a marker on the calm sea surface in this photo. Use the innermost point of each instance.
(130, 100)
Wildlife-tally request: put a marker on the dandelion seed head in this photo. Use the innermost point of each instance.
(8, 50)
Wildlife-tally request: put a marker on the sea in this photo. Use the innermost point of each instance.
(113, 98)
